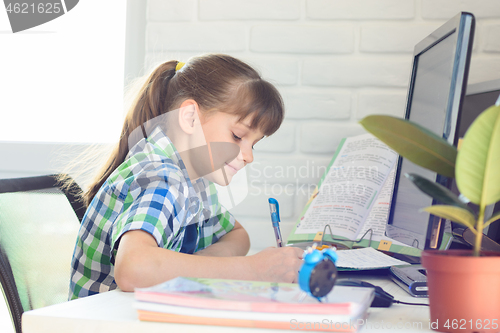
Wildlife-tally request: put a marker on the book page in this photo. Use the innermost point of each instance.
(366, 258)
(418, 240)
(379, 213)
(350, 187)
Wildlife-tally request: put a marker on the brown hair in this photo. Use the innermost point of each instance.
(216, 82)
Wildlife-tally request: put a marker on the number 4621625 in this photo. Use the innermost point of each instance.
(41, 8)
(471, 324)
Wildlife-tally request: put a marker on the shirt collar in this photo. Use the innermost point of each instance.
(161, 141)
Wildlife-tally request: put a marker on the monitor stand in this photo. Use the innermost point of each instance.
(464, 238)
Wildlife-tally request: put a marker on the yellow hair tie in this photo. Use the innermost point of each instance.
(179, 65)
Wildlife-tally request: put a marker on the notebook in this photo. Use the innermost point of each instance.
(242, 303)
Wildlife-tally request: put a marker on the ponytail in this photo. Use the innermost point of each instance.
(147, 105)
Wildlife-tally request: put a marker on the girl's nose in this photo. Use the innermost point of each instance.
(246, 154)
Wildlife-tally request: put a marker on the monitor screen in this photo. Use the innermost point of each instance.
(478, 98)
(435, 93)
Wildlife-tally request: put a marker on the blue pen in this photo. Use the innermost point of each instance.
(275, 218)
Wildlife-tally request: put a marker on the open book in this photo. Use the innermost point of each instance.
(241, 303)
(353, 197)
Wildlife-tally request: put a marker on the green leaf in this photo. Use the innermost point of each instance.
(413, 142)
(456, 214)
(492, 219)
(478, 161)
(437, 191)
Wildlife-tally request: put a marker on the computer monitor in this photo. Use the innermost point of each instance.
(435, 94)
(479, 97)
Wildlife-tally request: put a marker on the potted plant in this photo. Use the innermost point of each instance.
(464, 285)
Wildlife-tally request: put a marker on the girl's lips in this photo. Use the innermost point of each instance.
(233, 169)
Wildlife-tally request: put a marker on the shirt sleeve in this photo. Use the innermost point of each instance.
(156, 204)
(220, 223)
(225, 225)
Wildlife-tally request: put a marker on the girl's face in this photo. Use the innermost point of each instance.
(224, 127)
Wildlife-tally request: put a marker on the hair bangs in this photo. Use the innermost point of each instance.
(259, 101)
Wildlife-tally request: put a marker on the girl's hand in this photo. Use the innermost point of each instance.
(277, 264)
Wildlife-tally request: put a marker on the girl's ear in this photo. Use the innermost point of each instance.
(188, 115)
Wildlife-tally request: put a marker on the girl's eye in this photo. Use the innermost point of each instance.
(237, 138)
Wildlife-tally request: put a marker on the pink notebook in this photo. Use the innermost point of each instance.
(254, 296)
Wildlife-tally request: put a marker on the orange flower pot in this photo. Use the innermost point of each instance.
(464, 291)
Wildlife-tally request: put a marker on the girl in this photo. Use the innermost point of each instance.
(153, 212)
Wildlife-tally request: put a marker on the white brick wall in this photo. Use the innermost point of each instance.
(392, 37)
(492, 38)
(282, 141)
(171, 10)
(371, 101)
(278, 70)
(317, 103)
(308, 39)
(210, 10)
(324, 137)
(357, 71)
(196, 37)
(360, 9)
(334, 61)
(443, 9)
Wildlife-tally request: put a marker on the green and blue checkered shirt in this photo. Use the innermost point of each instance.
(149, 191)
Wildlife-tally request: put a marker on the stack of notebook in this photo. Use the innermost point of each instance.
(252, 304)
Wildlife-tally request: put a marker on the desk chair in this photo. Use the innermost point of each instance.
(39, 222)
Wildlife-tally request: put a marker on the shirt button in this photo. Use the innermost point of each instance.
(206, 214)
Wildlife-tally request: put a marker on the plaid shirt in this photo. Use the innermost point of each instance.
(149, 191)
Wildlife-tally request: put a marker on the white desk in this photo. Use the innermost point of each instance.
(113, 312)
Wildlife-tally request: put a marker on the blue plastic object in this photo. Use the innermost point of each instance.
(318, 272)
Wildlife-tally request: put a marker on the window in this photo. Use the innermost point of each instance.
(63, 81)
